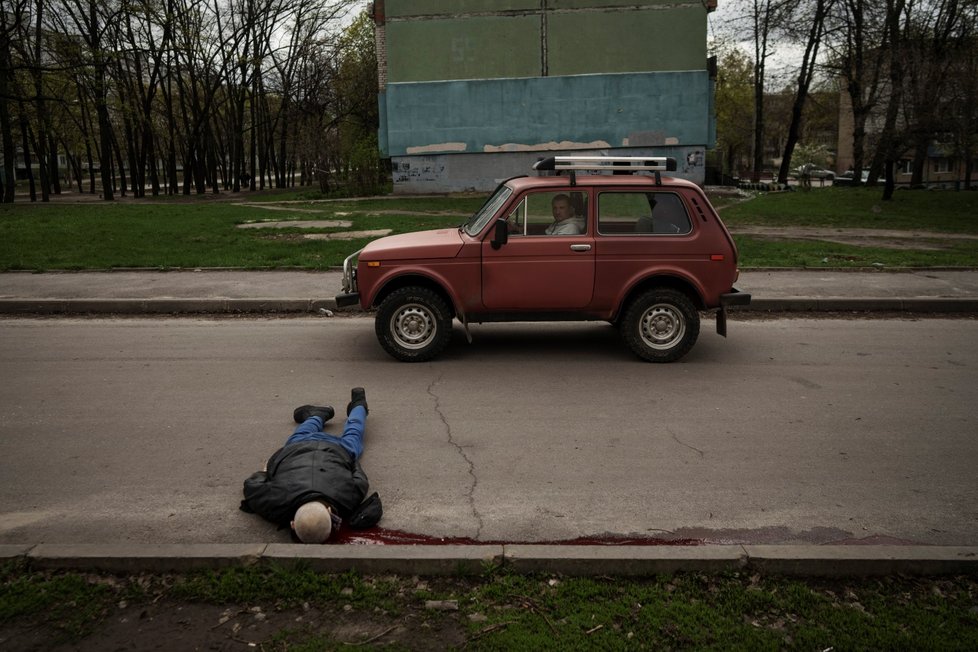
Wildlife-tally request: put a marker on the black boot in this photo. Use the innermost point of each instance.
(304, 412)
(358, 396)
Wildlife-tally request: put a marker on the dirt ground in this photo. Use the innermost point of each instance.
(883, 238)
(177, 625)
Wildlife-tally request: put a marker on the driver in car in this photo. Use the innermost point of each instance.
(565, 221)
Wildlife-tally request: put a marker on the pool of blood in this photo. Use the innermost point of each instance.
(384, 537)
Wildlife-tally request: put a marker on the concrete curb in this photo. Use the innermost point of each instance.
(313, 306)
(161, 306)
(865, 304)
(635, 561)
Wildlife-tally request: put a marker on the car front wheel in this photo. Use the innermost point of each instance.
(661, 325)
(413, 324)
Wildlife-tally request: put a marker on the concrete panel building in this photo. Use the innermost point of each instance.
(475, 91)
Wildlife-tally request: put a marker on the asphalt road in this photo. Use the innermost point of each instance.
(790, 431)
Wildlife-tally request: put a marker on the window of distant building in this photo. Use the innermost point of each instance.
(942, 165)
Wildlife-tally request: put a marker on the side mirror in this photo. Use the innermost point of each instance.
(500, 235)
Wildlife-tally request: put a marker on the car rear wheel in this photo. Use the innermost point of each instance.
(413, 324)
(661, 325)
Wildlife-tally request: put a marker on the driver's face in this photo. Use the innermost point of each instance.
(562, 209)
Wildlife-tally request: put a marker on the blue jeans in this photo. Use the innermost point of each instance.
(352, 439)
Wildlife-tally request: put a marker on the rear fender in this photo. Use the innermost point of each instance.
(672, 279)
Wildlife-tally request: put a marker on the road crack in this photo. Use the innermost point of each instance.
(470, 493)
(682, 443)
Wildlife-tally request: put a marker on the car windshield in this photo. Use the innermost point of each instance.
(478, 221)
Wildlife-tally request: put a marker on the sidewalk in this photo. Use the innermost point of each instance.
(232, 291)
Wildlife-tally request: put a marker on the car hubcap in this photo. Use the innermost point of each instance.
(413, 326)
(662, 326)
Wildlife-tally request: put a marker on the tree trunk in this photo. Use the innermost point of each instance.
(41, 144)
(101, 94)
(890, 146)
(804, 81)
(6, 136)
(25, 129)
(54, 165)
(122, 165)
(762, 18)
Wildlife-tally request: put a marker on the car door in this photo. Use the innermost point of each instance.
(537, 270)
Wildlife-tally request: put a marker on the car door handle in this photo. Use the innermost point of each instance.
(581, 247)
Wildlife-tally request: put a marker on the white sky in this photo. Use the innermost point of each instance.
(723, 23)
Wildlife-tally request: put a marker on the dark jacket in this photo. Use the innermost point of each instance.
(313, 470)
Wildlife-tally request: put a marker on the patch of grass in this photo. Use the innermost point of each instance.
(73, 603)
(924, 210)
(285, 587)
(728, 612)
(759, 252)
(463, 203)
(189, 233)
(200, 234)
(505, 611)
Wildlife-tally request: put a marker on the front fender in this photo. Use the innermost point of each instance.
(403, 276)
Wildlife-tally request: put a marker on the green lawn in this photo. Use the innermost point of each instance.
(201, 232)
(502, 611)
(932, 212)
(924, 210)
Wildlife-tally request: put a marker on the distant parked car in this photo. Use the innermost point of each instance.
(847, 177)
(813, 172)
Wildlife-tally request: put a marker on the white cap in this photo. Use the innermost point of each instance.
(312, 523)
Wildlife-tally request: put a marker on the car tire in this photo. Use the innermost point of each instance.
(413, 324)
(660, 325)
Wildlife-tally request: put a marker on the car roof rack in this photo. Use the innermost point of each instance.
(617, 164)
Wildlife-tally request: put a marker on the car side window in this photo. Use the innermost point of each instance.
(644, 213)
(550, 213)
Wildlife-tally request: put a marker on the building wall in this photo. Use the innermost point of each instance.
(491, 78)
(545, 113)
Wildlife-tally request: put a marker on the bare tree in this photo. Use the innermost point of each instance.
(766, 17)
(31, 48)
(90, 20)
(857, 46)
(145, 34)
(814, 16)
(202, 44)
(934, 33)
(11, 20)
(126, 87)
(964, 101)
(890, 146)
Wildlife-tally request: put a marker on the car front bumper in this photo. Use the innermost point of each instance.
(347, 299)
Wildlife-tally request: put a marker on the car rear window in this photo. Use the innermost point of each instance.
(642, 213)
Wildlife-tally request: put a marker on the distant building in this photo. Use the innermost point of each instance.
(936, 124)
(475, 91)
(941, 169)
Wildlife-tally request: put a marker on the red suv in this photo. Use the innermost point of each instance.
(642, 251)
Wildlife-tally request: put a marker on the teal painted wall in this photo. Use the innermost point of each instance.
(547, 113)
(472, 88)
